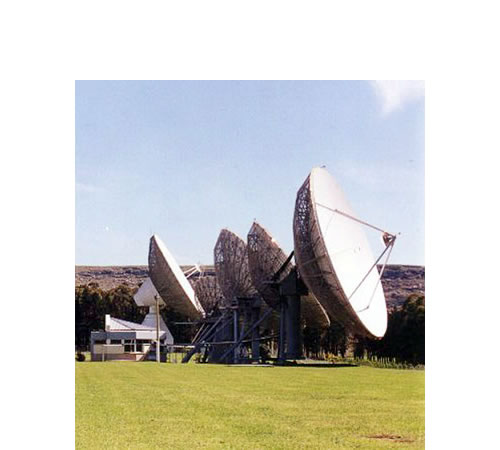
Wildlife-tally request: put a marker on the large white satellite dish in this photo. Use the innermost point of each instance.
(170, 281)
(265, 259)
(334, 258)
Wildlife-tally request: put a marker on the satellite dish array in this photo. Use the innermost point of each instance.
(335, 278)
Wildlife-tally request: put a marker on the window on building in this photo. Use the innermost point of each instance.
(129, 345)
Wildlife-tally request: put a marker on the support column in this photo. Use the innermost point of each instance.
(291, 290)
(281, 348)
(157, 329)
(236, 335)
(293, 329)
(256, 331)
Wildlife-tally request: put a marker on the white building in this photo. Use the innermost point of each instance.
(124, 340)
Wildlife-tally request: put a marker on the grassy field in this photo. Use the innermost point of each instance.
(149, 405)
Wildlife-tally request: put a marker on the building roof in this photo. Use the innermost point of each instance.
(124, 325)
(146, 330)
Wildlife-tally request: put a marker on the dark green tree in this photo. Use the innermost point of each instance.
(405, 336)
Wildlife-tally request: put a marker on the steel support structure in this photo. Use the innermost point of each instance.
(290, 341)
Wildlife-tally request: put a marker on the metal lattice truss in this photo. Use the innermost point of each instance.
(231, 266)
(315, 265)
(170, 281)
(265, 258)
(208, 292)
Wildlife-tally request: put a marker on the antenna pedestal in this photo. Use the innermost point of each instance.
(227, 339)
(290, 343)
(224, 332)
(255, 314)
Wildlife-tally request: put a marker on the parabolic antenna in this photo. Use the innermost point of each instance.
(208, 292)
(170, 281)
(265, 259)
(334, 258)
(147, 294)
(231, 266)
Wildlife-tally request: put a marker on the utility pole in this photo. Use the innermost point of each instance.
(157, 329)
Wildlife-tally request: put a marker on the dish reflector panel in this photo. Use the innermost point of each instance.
(231, 266)
(265, 258)
(170, 282)
(333, 257)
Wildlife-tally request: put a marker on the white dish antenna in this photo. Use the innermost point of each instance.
(147, 294)
(265, 259)
(170, 281)
(231, 266)
(334, 258)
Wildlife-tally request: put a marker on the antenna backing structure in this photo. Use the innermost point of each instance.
(208, 292)
(231, 266)
(269, 266)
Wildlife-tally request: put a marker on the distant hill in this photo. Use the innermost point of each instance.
(398, 281)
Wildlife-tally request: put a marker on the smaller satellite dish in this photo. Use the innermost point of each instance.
(208, 292)
(231, 266)
(147, 294)
(170, 281)
(265, 259)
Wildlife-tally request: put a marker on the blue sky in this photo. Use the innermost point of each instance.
(184, 159)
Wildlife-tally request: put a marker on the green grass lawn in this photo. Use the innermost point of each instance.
(150, 405)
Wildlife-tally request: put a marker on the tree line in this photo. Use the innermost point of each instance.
(404, 339)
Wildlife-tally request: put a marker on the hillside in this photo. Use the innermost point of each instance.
(399, 281)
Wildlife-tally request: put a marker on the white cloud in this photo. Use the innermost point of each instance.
(395, 95)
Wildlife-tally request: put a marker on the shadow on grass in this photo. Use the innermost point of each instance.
(317, 365)
(290, 364)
